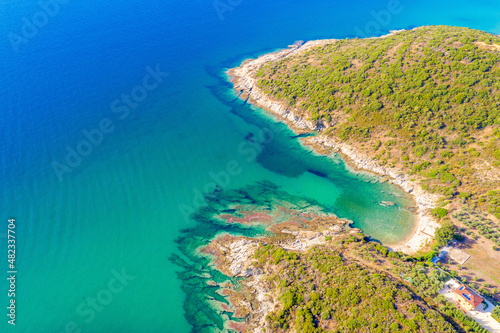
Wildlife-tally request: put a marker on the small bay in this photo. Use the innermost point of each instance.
(120, 208)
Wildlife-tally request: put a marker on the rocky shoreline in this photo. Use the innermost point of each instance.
(234, 257)
(255, 296)
(244, 80)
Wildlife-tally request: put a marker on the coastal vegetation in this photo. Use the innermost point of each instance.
(478, 224)
(445, 234)
(277, 262)
(425, 100)
(350, 285)
(496, 313)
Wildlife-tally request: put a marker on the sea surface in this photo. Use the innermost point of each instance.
(116, 117)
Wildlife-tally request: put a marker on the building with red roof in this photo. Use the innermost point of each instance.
(467, 299)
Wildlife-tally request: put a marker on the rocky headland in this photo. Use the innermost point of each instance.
(255, 295)
(245, 83)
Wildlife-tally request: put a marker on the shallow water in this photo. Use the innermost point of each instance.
(122, 205)
(247, 211)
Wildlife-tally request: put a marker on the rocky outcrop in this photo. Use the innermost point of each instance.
(235, 258)
(256, 296)
(245, 81)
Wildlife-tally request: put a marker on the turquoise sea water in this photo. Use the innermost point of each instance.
(106, 231)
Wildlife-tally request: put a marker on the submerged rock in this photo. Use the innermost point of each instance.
(219, 274)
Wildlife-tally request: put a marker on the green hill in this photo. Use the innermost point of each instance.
(353, 286)
(425, 100)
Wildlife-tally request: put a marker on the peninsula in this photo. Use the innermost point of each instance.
(419, 107)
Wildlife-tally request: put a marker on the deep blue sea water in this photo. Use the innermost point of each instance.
(105, 227)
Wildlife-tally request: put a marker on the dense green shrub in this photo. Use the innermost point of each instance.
(496, 313)
(439, 212)
(445, 233)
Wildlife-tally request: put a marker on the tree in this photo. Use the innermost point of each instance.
(496, 313)
(394, 327)
(445, 233)
(439, 212)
